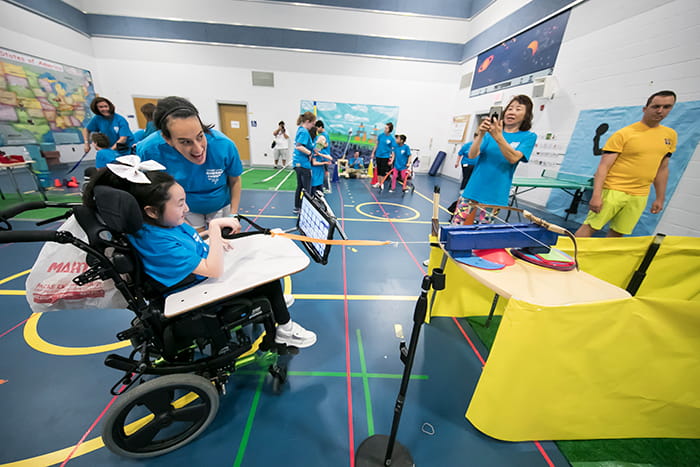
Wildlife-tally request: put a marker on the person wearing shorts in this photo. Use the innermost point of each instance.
(634, 158)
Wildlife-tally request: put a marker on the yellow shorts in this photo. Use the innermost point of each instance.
(620, 209)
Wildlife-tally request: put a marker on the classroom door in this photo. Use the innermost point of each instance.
(138, 102)
(233, 119)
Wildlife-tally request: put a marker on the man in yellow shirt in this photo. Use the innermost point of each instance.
(633, 158)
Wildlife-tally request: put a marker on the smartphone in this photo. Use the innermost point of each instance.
(496, 113)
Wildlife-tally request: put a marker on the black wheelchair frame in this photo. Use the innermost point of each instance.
(191, 355)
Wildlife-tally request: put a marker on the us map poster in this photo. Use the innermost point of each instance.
(42, 101)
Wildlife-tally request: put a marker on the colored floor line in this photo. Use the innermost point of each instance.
(15, 276)
(391, 223)
(483, 362)
(365, 384)
(249, 422)
(14, 327)
(430, 200)
(272, 216)
(334, 374)
(348, 370)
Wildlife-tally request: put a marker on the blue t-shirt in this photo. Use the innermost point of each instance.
(318, 172)
(385, 144)
(206, 185)
(464, 152)
(302, 138)
(401, 155)
(114, 128)
(104, 157)
(493, 174)
(169, 254)
(150, 128)
(327, 149)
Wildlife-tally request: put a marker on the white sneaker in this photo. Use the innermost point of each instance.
(296, 337)
(289, 300)
(375, 185)
(426, 262)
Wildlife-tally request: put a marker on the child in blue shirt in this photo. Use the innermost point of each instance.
(171, 250)
(105, 155)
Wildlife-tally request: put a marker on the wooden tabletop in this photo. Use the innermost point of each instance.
(543, 286)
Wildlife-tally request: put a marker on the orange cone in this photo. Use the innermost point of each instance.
(72, 183)
(57, 183)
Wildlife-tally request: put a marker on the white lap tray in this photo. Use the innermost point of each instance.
(254, 261)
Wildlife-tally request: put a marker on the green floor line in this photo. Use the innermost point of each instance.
(333, 374)
(365, 385)
(249, 423)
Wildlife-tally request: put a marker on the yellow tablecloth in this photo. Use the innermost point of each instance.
(621, 368)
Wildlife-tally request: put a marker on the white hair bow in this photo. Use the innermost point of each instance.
(131, 168)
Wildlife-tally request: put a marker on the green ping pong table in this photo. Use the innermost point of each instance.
(573, 184)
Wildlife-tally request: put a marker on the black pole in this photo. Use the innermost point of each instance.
(370, 451)
(641, 272)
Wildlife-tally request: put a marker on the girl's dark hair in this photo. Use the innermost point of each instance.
(175, 107)
(391, 127)
(154, 194)
(402, 138)
(312, 132)
(147, 110)
(306, 117)
(526, 124)
(97, 100)
(100, 139)
(319, 124)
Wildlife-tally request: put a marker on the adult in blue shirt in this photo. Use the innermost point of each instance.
(203, 160)
(303, 149)
(383, 152)
(500, 146)
(113, 125)
(467, 164)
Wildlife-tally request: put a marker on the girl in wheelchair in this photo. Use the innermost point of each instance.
(171, 250)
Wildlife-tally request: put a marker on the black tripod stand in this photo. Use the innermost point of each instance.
(370, 452)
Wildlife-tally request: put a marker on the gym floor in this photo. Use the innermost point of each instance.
(54, 388)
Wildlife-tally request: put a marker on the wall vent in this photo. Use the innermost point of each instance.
(263, 78)
(466, 81)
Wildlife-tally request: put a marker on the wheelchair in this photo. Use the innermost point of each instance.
(179, 366)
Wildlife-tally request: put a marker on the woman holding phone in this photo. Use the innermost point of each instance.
(500, 144)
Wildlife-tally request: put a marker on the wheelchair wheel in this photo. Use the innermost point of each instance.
(160, 415)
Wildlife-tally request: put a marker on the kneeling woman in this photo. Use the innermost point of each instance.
(171, 249)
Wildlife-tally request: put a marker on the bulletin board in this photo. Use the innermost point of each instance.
(42, 101)
(458, 129)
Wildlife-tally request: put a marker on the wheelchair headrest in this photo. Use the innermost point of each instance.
(118, 209)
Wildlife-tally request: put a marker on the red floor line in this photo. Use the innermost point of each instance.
(99, 417)
(13, 328)
(464, 333)
(544, 454)
(410, 253)
(471, 344)
(348, 378)
(260, 211)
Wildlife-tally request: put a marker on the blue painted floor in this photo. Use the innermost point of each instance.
(339, 391)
